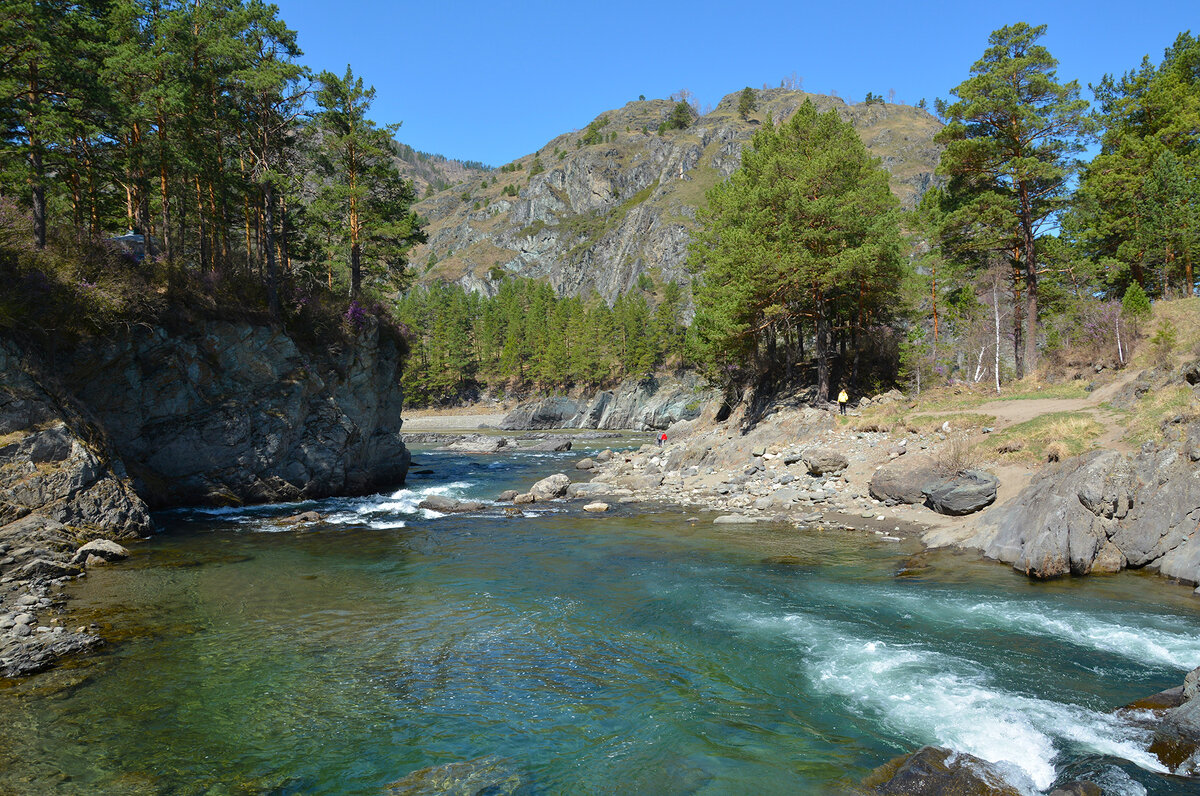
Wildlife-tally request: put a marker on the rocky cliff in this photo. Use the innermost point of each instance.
(639, 404)
(222, 413)
(619, 200)
(235, 412)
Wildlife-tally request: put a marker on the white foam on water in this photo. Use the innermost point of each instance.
(1115, 781)
(1137, 637)
(930, 697)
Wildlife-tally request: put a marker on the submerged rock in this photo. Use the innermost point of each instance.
(484, 776)
(934, 771)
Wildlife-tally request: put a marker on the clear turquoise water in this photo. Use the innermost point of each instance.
(632, 652)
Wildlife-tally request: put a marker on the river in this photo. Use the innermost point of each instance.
(637, 652)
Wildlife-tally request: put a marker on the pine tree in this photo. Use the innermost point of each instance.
(1010, 138)
(354, 160)
(805, 233)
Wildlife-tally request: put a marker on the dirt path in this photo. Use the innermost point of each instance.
(1021, 410)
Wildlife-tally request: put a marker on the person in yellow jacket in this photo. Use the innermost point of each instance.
(843, 399)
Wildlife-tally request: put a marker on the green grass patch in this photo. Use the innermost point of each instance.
(1056, 435)
(1149, 419)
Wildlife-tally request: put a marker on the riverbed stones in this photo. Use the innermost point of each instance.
(588, 489)
(961, 494)
(507, 495)
(585, 464)
(523, 498)
(104, 549)
(490, 776)
(596, 507)
(824, 461)
(935, 771)
(551, 487)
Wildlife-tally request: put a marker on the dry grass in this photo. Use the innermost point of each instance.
(900, 418)
(1056, 451)
(1070, 434)
(1184, 316)
(1011, 446)
(957, 455)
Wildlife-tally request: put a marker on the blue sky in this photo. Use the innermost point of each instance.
(494, 81)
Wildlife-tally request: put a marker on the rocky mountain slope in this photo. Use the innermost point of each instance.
(436, 172)
(593, 210)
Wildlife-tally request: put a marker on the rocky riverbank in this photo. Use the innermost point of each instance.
(1099, 512)
(229, 413)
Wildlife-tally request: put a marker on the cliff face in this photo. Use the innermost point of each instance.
(232, 413)
(601, 214)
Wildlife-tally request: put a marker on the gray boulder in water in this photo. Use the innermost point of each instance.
(554, 486)
(447, 505)
(552, 445)
(965, 493)
(484, 776)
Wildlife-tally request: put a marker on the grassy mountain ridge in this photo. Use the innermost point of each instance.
(596, 208)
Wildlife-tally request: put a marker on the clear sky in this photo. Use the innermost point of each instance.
(492, 81)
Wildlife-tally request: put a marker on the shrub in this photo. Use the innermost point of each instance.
(1163, 344)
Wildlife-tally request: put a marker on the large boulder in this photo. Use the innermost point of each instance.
(824, 461)
(934, 771)
(554, 486)
(961, 494)
(105, 549)
(1062, 521)
(446, 505)
(903, 481)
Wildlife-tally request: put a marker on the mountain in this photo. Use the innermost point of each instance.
(595, 209)
(438, 171)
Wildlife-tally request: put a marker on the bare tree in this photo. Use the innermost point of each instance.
(891, 96)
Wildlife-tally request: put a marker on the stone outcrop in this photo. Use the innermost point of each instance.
(639, 404)
(236, 412)
(550, 487)
(57, 465)
(1105, 511)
